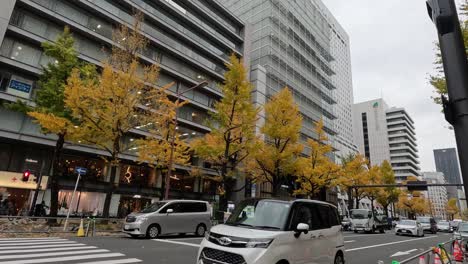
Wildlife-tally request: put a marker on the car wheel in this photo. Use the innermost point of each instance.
(397, 233)
(355, 231)
(201, 229)
(339, 259)
(382, 231)
(153, 231)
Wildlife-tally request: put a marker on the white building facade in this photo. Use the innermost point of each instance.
(384, 133)
(437, 195)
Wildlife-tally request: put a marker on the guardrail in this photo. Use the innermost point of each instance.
(431, 255)
(45, 224)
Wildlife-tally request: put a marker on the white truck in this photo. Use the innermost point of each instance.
(367, 221)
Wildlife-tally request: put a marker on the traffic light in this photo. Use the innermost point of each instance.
(26, 175)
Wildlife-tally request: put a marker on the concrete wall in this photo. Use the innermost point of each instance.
(6, 9)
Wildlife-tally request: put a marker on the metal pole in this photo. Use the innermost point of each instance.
(71, 203)
(171, 154)
(38, 187)
(444, 14)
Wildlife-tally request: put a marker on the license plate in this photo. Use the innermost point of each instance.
(127, 227)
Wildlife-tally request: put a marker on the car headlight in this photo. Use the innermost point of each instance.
(258, 243)
(141, 218)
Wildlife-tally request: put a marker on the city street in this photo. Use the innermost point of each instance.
(360, 249)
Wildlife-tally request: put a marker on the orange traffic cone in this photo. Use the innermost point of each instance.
(422, 260)
(437, 256)
(457, 252)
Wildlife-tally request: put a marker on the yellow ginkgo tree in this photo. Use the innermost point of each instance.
(354, 169)
(124, 97)
(317, 171)
(49, 109)
(232, 137)
(276, 157)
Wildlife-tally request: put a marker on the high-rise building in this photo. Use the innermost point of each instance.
(446, 161)
(190, 40)
(383, 133)
(437, 195)
(342, 80)
(291, 46)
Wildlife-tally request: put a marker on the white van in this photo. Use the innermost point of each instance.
(264, 231)
(170, 217)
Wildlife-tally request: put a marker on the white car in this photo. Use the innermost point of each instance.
(409, 227)
(264, 231)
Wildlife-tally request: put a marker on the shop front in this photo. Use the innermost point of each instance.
(85, 203)
(16, 193)
(132, 203)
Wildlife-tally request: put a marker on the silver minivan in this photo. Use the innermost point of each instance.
(170, 217)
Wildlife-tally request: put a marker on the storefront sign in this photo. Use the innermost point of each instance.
(13, 180)
(31, 161)
(20, 87)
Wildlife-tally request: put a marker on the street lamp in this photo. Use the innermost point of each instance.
(171, 154)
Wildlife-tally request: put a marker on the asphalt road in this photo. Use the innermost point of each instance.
(360, 249)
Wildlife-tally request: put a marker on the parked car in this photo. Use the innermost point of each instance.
(170, 217)
(409, 227)
(266, 231)
(428, 223)
(444, 226)
(461, 232)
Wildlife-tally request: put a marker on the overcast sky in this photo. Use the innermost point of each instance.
(392, 53)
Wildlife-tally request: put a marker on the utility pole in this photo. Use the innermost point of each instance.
(444, 15)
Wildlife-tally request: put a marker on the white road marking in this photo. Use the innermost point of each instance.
(45, 249)
(71, 244)
(28, 238)
(62, 259)
(188, 238)
(359, 236)
(51, 254)
(402, 253)
(32, 241)
(119, 261)
(350, 241)
(386, 244)
(36, 243)
(177, 242)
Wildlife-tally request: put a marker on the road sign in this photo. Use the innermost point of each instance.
(81, 170)
(417, 185)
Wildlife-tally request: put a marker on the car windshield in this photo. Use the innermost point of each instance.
(424, 220)
(463, 227)
(359, 214)
(153, 207)
(264, 214)
(408, 222)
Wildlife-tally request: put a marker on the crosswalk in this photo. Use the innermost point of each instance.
(56, 250)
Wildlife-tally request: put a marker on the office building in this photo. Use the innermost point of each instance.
(300, 45)
(342, 80)
(384, 133)
(446, 161)
(190, 40)
(437, 195)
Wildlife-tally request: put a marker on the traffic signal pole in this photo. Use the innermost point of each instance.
(444, 15)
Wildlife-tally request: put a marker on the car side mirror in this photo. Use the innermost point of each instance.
(170, 211)
(301, 228)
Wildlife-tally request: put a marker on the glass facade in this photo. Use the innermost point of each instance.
(189, 49)
(291, 40)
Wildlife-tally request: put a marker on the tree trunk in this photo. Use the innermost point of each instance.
(275, 189)
(110, 191)
(386, 210)
(372, 204)
(350, 199)
(55, 168)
